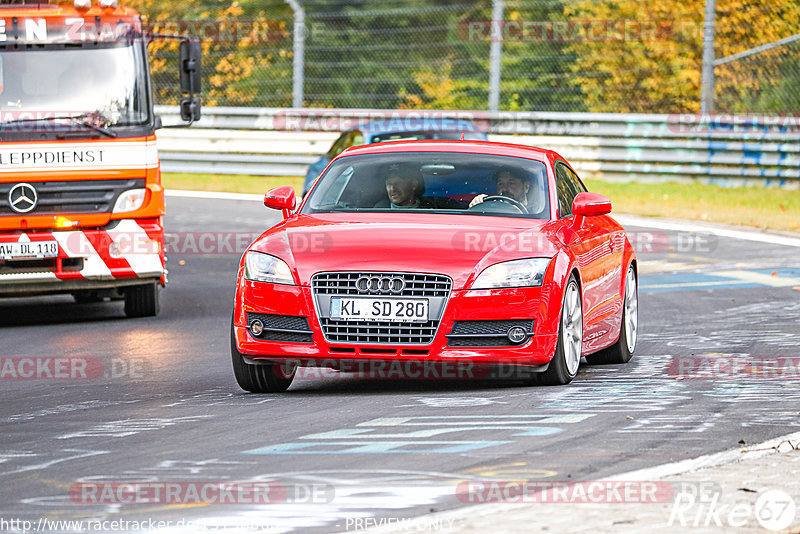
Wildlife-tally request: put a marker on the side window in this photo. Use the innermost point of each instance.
(568, 186)
(356, 139)
(339, 145)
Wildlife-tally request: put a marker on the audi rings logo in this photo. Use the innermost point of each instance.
(23, 198)
(380, 284)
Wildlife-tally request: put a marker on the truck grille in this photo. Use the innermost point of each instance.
(79, 196)
(434, 287)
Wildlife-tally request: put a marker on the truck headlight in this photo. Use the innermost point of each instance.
(265, 268)
(130, 200)
(515, 273)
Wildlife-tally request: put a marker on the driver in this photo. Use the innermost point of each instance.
(510, 183)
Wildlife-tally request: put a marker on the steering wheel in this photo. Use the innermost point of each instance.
(508, 200)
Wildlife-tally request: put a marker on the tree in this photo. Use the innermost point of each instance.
(661, 71)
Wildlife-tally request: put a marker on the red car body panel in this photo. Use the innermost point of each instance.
(596, 248)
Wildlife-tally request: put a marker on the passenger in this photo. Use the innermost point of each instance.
(404, 188)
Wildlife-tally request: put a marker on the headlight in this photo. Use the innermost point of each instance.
(130, 200)
(265, 268)
(516, 273)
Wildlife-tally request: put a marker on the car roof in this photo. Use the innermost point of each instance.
(447, 145)
(400, 125)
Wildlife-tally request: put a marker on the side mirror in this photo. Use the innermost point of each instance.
(591, 204)
(190, 53)
(190, 63)
(281, 198)
(190, 108)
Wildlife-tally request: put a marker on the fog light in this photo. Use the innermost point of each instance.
(256, 327)
(517, 334)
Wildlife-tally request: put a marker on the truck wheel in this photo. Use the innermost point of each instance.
(142, 301)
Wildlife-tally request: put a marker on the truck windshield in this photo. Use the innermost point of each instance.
(45, 82)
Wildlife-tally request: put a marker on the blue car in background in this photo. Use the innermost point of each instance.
(387, 130)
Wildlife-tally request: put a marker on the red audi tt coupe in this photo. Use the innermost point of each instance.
(462, 253)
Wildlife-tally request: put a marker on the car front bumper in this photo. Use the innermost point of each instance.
(530, 306)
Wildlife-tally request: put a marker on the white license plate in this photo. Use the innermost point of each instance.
(28, 250)
(379, 309)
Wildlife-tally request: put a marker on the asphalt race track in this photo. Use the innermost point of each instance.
(161, 404)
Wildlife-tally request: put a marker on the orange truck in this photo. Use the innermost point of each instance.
(81, 200)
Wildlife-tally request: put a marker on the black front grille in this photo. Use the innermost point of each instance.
(485, 333)
(79, 196)
(417, 285)
(282, 328)
(434, 287)
(379, 332)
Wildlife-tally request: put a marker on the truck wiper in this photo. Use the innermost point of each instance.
(82, 120)
(86, 120)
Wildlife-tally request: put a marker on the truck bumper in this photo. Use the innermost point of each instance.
(124, 253)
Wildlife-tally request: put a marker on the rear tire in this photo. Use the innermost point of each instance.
(566, 360)
(622, 350)
(142, 301)
(267, 378)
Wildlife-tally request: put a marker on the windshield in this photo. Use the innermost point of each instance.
(47, 82)
(425, 182)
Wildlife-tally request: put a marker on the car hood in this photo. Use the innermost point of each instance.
(460, 246)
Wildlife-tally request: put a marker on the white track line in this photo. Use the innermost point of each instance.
(213, 195)
(772, 446)
(690, 226)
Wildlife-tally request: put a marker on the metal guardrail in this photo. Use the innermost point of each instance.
(724, 150)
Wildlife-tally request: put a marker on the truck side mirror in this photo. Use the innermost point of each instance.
(190, 108)
(190, 53)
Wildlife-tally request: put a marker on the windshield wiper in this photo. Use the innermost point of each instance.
(84, 119)
(87, 118)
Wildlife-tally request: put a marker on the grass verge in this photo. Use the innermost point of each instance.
(761, 207)
(229, 183)
(769, 208)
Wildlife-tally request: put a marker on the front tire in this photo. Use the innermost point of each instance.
(622, 350)
(142, 301)
(267, 378)
(566, 360)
